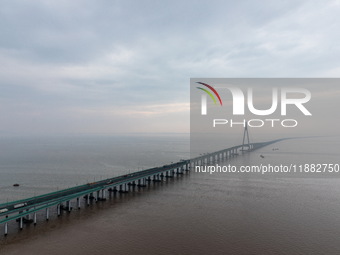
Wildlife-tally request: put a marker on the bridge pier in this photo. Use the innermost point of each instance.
(125, 190)
(141, 182)
(68, 205)
(21, 223)
(47, 213)
(35, 218)
(78, 202)
(58, 209)
(6, 228)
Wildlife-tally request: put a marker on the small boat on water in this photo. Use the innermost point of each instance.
(16, 185)
(261, 156)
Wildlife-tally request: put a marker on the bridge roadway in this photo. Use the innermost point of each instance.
(23, 209)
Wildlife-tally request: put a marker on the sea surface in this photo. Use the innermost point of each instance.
(197, 213)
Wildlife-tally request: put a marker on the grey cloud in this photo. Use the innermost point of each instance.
(90, 54)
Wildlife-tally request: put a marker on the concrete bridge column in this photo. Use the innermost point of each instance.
(68, 205)
(35, 218)
(103, 194)
(21, 223)
(88, 199)
(78, 202)
(6, 228)
(58, 210)
(47, 213)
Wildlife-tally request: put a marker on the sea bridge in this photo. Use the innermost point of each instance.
(25, 211)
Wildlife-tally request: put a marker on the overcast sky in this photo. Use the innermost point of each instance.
(124, 66)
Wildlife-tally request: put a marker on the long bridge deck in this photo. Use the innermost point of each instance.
(23, 209)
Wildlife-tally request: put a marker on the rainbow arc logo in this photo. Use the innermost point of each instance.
(204, 96)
